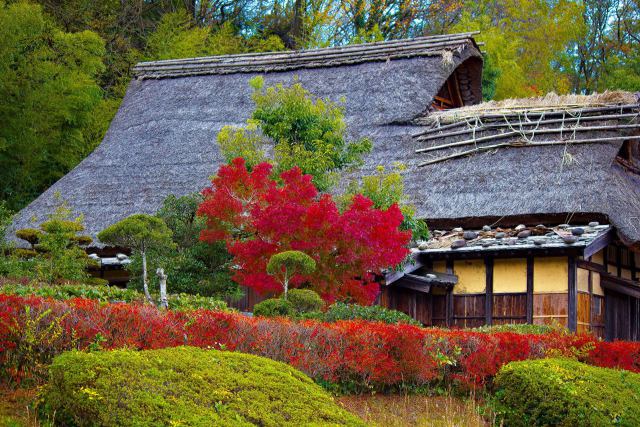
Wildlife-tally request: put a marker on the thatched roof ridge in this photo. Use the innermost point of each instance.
(311, 58)
(548, 103)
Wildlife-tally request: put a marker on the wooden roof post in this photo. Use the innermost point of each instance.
(488, 305)
(572, 322)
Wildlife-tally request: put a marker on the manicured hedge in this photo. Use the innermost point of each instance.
(560, 392)
(374, 313)
(107, 293)
(273, 307)
(361, 354)
(184, 386)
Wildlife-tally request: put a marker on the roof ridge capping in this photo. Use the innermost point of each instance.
(308, 58)
(609, 100)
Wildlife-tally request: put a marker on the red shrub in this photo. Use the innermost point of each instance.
(617, 354)
(368, 354)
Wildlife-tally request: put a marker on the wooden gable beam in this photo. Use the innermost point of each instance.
(409, 268)
(599, 243)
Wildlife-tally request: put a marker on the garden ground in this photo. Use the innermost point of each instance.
(376, 410)
(414, 410)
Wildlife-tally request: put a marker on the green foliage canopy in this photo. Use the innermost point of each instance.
(285, 265)
(307, 132)
(48, 93)
(139, 232)
(192, 266)
(58, 254)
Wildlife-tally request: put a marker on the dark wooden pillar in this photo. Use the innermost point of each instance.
(449, 298)
(530, 289)
(590, 283)
(488, 302)
(619, 261)
(572, 321)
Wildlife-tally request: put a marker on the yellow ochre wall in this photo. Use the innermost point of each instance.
(597, 258)
(550, 275)
(472, 277)
(509, 275)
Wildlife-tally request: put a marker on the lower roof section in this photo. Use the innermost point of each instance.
(582, 239)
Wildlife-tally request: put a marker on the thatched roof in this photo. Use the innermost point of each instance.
(552, 159)
(162, 141)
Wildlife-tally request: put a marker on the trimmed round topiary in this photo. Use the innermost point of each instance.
(373, 313)
(82, 240)
(30, 235)
(274, 307)
(184, 386)
(305, 300)
(24, 253)
(96, 281)
(560, 392)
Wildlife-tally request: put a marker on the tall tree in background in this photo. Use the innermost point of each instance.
(592, 49)
(526, 41)
(48, 93)
(622, 69)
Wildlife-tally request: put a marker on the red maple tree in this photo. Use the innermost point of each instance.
(259, 217)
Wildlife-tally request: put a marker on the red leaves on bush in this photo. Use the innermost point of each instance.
(258, 218)
(367, 354)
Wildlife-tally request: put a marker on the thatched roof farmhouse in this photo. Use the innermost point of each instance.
(534, 204)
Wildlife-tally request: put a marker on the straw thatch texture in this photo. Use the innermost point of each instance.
(530, 165)
(162, 140)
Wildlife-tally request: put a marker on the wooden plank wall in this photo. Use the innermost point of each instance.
(468, 311)
(248, 300)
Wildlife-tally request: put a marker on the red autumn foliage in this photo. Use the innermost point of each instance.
(361, 353)
(257, 217)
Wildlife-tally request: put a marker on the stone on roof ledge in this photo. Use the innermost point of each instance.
(517, 238)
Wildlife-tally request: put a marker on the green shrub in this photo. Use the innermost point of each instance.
(184, 386)
(96, 281)
(563, 392)
(274, 307)
(192, 266)
(519, 328)
(305, 300)
(58, 256)
(110, 294)
(342, 311)
(30, 235)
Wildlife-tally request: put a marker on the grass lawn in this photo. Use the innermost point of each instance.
(414, 410)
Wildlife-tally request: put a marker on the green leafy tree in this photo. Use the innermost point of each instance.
(307, 132)
(178, 36)
(140, 233)
(48, 92)
(385, 189)
(193, 266)
(526, 41)
(284, 265)
(57, 249)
